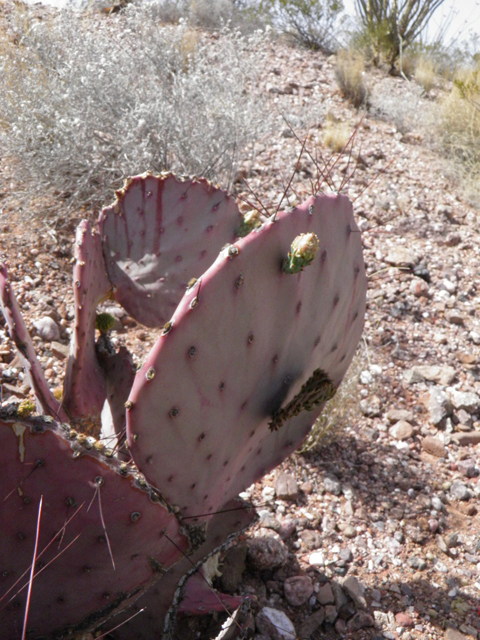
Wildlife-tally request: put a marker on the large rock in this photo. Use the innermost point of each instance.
(286, 487)
(466, 439)
(434, 446)
(466, 400)
(298, 590)
(401, 430)
(267, 553)
(355, 590)
(440, 374)
(47, 329)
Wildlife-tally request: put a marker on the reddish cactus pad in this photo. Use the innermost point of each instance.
(85, 387)
(80, 588)
(249, 360)
(160, 233)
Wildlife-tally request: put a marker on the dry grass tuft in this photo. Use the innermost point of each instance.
(350, 71)
(425, 73)
(458, 129)
(336, 133)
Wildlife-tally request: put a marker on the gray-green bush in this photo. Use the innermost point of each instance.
(87, 100)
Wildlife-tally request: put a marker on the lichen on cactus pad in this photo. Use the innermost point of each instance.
(161, 232)
(251, 356)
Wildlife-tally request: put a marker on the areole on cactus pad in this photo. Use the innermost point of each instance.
(257, 337)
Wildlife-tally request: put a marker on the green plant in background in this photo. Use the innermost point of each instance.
(310, 22)
(390, 26)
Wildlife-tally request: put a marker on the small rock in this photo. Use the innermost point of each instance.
(311, 539)
(267, 553)
(455, 317)
(460, 491)
(404, 620)
(395, 415)
(307, 488)
(298, 590)
(444, 375)
(418, 287)
(401, 257)
(361, 620)
(312, 624)
(434, 446)
(275, 624)
(47, 329)
(332, 485)
(59, 350)
(402, 430)
(355, 590)
(286, 487)
(467, 400)
(466, 439)
(325, 594)
(317, 559)
(467, 468)
(371, 407)
(417, 563)
(331, 613)
(439, 406)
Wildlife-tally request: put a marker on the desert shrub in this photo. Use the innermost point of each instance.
(389, 29)
(89, 100)
(349, 71)
(404, 109)
(208, 14)
(313, 23)
(458, 130)
(335, 133)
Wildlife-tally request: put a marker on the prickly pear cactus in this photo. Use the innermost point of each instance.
(258, 349)
(160, 233)
(252, 347)
(104, 536)
(85, 387)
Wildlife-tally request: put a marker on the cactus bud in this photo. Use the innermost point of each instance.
(251, 220)
(302, 252)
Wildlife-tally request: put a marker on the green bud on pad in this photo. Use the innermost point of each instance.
(302, 252)
(104, 322)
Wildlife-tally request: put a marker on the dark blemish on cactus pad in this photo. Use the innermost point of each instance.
(317, 341)
(250, 338)
(334, 348)
(244, 404)
(336, 300)
(225, 463)
(298, 307)
(323, 256)
(203, 254)
(252, 433)
(216, 206)
(349, 229)
(192, 486)
(180, 221)
(150, 374)
(191, 352)
(209, 457)
(26, 500)
(355, 316)
(21, 536)
(275, 359)
(221, 386)
(356, 271)
(174, 411)
(259, 451)
(86, 569)
(277, 398)
(134, 516)
(201, 437)
(209, 228)
(178, 258)
(343, 357)
(239, 281)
